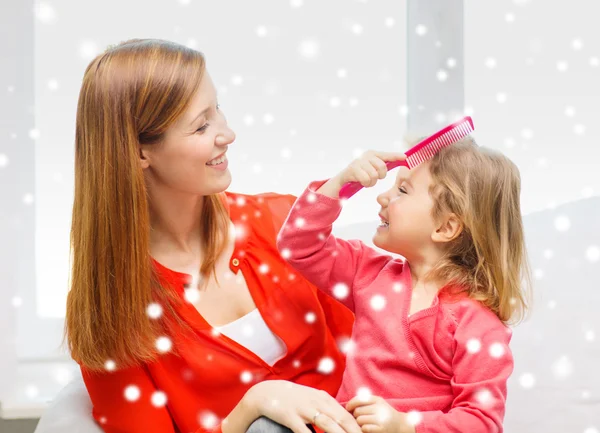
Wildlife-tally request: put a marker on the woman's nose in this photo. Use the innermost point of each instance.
(226, 137)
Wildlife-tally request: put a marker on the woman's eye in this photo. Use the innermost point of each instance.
(218, 106)
(202, 128)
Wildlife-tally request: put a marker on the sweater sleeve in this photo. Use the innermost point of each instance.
(334, 265)
(482, 364)
(123, 402)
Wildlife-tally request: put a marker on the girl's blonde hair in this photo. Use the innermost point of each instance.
(489, 257)
(131, 94)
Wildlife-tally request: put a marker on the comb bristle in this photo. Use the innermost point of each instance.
(429, 150)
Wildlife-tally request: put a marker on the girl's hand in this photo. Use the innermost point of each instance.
(375, 415)
(294, 406)
(369, 168)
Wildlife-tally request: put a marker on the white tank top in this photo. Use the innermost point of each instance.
(252, 332)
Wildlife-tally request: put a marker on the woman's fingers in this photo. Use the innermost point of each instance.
(325, 423)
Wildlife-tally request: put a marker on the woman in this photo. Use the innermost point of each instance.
(182, 314)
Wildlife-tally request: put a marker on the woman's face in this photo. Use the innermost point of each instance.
(192, 157)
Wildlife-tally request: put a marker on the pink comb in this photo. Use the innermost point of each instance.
(423, 151)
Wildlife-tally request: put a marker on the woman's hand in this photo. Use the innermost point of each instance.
(294, 406)
(375, 415)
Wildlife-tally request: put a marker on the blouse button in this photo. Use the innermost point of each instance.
(235, 262)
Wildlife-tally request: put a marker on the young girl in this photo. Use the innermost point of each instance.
(429, 348)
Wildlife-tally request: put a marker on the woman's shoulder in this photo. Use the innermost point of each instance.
(266, 211)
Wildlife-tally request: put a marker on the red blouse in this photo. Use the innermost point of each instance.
(195, 389)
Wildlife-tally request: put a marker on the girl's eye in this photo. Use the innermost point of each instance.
(402, 190)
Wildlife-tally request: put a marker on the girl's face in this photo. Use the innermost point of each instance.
(407, 224)
(185, 160)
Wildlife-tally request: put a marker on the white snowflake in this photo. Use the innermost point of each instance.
(326, 365)
(45, 13)
(389, 22)
(538, 274)
(28, 199)
(341, 291)
(248, 120)
(31, 391)
(310, 317)
(421, 30)
(548, 253)
(335, 102)
(237, 80)
(208, 420)
(286, 253)
(590, 335)
(509, 17)
(286, 153)
(3, 160)
(527, 134)
(510, 142)
(299, 222)
(164, 344)
(296, 3)
(577, 44)
(593, 253)
(154, 310)
(16, 301)
(484, 397)
(562, 368)
(552, 304)
(490, 62)
(191, 295)
(579, 129)
(296, 363)
(527, 380)
(591, 430)
(378, 302)
(52, 84)
(414, 417)
(263, 268)
(451, 62)
(248, 331)
(246, 377)
(132, 393)
(88, 49)
(34, 134)
(403, 110)
(110, 365)
(501, 97)
(496, 350)
(364, 394)
(442, 75)
(473, 345)
(268, 118)
(357, 29)
(562, 223)
(309, 49)
(594, 62)
(397, 287)
(587, 192)
(158, 399)
(261, 31)
(353, 102)
(562, 66)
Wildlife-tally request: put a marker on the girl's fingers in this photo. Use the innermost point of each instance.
(390, 156)
(380, 166)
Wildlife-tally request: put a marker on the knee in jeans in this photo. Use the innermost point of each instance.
(266, 425)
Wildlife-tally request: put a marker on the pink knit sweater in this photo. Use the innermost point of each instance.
(448, 363)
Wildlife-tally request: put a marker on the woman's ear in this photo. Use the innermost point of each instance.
(144, 157)
(449, 229)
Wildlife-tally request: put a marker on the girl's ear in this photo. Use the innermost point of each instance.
(449, 229)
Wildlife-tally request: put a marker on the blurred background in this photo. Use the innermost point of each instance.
(308, 85)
